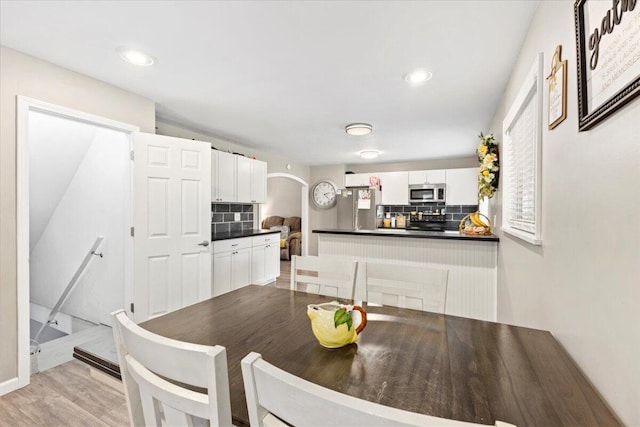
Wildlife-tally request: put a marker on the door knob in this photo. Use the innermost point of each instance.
(203, 243)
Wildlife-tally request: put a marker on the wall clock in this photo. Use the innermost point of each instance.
(323, 194)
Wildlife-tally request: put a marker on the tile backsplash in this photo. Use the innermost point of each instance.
(454, 213)
(222, 217)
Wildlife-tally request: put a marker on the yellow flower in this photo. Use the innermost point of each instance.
(485, 172)
(482, 149)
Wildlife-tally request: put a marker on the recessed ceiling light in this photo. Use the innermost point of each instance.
(358, 129)
(369, 154)
(135, 57)
(418, 77)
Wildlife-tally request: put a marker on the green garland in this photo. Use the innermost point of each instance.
(489, 170)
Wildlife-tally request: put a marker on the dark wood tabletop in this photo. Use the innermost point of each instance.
(441, 365)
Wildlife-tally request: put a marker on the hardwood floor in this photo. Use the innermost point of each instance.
(283, 280)
(71, 394)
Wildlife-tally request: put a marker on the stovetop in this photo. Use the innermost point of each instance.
(427, 222)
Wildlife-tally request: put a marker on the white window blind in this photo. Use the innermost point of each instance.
(521, 160)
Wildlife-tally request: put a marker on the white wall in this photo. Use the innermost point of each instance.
(21, 74)
(92, 205)
(323, 218)
(56, 148)
(583, 283)
(283, 198)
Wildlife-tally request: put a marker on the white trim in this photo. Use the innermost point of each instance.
(10, 385)
(304, 209)
(527, 237)
(533, 82)
(23, 106)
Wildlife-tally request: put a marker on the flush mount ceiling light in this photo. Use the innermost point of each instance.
(369, 154)
(135, 57)
(358, 129)
(418, 77)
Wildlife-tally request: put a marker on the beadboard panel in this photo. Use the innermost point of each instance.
(472, 265)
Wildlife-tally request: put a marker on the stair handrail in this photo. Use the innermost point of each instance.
(65, 294)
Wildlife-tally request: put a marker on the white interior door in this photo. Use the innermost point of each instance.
(172, 220)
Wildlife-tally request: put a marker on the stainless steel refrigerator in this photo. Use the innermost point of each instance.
(359, 208)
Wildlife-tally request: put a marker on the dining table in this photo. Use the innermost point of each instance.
(430, 363)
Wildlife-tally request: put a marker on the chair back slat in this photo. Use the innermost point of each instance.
(160, 398)
(324, 275)
(406, 286)
(271, 391)
(159, 375)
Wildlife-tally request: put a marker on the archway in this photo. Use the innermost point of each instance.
(304, 206)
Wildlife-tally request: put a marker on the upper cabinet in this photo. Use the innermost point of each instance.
(436, 176)
(395, 188)
(358, 179)
(223, 177)
(252, 180)
(237, 178)
(259, 181)
(462, 186)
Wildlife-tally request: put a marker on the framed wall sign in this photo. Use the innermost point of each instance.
(608, 53)
(557, 89)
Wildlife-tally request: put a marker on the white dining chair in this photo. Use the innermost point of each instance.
(148, 362)
(275, 397)
(406, 286)
(324, 275)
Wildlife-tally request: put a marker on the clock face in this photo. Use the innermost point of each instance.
(323, 195)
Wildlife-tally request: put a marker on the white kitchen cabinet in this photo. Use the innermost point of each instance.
(238, 178)
(395, 188)
(252, 180)
(358, 179)
(244, 179)
(221, 273)
(258, 181)
(231, 264)
(265, 259)
(462, 186)
(223, 177)
(435, 176)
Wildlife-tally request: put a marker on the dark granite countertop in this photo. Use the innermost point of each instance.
(398, 232)
(240, 233)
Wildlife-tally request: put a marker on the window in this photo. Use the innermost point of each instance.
(522, 137)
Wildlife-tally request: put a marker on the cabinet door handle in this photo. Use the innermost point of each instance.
(267, 246)
(204, 243)
(235, 244)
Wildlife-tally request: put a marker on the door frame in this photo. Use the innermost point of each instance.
(304, 209)
(24, 106)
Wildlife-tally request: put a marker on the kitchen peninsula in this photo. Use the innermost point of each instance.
(471, 261)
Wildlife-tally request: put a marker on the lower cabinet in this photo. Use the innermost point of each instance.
(231, 264)
(243, 261)
(265, 259)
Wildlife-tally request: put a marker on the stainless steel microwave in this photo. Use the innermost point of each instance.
(427, 193)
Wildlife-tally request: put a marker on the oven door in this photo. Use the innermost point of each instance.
(423, 193)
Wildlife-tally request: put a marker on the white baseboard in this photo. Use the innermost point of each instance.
(9, 385)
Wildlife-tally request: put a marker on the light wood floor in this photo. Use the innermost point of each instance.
(72, 394)
(285, 275)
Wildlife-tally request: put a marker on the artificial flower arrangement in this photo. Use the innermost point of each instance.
(489, 170)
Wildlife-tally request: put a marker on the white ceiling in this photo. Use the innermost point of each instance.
(286, 77)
